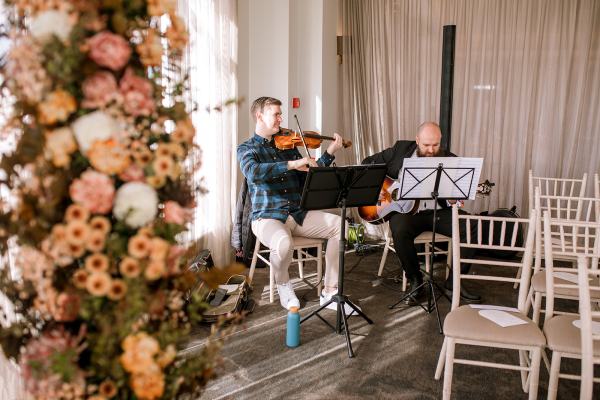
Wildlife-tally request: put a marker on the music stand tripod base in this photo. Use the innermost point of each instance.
(341, 187)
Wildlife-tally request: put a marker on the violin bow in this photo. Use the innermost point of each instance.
(302, 136)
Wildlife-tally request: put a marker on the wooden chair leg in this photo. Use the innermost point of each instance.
(537, 307)
(271, 285)
(524, 362)
(254, 261)
(449, 368)
(554, 372)
(440, 363)
(386, 249)
(534, 375)
(300, 263)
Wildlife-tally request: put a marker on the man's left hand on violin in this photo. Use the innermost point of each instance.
(335, 145)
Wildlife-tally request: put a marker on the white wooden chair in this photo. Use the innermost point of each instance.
(301, 247)
(425, 239)
(467, 325)
(556, 187)
(573, 231)
(589, 282)
(563, 337)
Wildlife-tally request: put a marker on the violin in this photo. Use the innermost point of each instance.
(287, 139)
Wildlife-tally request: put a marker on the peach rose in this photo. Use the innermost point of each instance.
(137, 94)
(175, 214)
(99, 89)
(109, 50)
(94, 190)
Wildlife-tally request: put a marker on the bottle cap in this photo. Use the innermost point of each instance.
(293, 309)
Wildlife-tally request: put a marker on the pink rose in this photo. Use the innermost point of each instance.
(174, 213)
(109, 50)
(93, 190)
(137, 94)
(99, 89)
(133, 173)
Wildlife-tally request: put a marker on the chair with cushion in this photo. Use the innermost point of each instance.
(468, 325)
(562, 334)
(302, 245)
(572, 219)
(589, 282)
(425, 239)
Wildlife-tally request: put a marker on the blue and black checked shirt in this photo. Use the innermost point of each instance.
(275, 192)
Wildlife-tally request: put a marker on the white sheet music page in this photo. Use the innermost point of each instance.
(458, 180)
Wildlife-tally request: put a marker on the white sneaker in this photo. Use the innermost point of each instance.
(325, 297)
(287, 297)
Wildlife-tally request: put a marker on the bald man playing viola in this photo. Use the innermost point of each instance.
(406, 227)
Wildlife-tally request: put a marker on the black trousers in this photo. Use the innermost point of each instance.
(406, 227)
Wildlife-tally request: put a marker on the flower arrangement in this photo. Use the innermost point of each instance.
(93, 198)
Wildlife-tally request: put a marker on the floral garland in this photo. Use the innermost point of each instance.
(95, 194)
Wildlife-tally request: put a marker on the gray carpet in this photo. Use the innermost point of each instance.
(395, 357)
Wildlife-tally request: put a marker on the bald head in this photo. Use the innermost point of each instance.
(429, 137)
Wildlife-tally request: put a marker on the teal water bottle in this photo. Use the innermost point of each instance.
(292, 336)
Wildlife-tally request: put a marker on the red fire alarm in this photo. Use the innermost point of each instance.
(296, 102)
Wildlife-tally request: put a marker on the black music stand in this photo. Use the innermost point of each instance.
(423, 183)
(341, 187)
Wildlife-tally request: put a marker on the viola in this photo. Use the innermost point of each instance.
(287, 139)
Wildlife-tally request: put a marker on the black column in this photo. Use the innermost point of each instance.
(447, 85)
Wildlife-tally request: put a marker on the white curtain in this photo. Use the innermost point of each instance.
(526, 83)
(212, 59)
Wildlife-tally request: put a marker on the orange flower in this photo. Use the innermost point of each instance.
(59, 232)
(162, 165)
(155, 270)
(96, 241)
(156, 181)
(117, 290)
(56, 107)
(139, 246)
(162, 150)
(77, 232)
(101, 224)
(184, 131)
(97, 262)
(177, 35)
(129, 267)
(80, 278)
(150, 50)
(76, 212)
(60, 143)
(159, 250)
(148, 386)
(109, 157)
(166, 357)
(107, 389)
(75, 250)
(98, 283)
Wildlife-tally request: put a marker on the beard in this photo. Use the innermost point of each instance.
(436, 154)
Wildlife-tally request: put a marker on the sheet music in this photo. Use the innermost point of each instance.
(459, 178)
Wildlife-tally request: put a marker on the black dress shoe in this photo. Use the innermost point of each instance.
(465, 295)
(418, 296)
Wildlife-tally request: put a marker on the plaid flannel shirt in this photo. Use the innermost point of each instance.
(275, 191)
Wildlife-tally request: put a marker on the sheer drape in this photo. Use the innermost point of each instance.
(212, 59)
(526, 82)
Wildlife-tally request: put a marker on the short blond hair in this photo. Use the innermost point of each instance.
(260, 104)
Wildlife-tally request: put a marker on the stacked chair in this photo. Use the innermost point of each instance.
(564, 330)
(590, 338)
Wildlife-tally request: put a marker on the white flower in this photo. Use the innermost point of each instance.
(51, 22)
(94, 126)
(136, 203)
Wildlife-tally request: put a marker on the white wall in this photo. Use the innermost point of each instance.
(288, 49)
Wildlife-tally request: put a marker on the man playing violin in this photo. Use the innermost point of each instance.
(406, 227)
(275, 181)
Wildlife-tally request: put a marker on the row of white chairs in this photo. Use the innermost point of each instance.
(561, 334)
